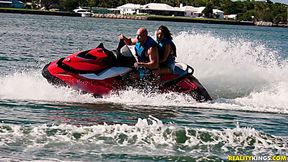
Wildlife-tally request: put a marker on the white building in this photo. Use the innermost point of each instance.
(218, 14)
(194, 12)
(161, 9)
(129, 9)
(158, 6)
(164, 9)
(230, 17)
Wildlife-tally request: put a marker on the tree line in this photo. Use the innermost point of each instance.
(249, 10)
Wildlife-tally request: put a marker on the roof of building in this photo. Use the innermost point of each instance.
(158, 6)
(217, 11)
(197, 9)
(130, 6)
(193, 9)
(188, 8)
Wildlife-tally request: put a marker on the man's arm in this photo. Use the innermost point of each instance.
(153, 57)
(128, 41)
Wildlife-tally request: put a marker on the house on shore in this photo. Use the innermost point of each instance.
(218, 14)
(191, 11)
(129, 9)
(11, 4)
(161, 9)
(166, 10)
(150, 8)
(195, 12)
(230, 17)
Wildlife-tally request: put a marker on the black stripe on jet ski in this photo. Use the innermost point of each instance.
(50, 78)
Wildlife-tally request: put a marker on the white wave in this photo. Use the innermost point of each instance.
(271, 99)
(32, 86)
(146, 136)
(133, 96)
(230, 67)
(238, 73)
(248, 138)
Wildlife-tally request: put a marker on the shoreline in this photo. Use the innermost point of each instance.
(188, 19)
(38, 12)
(198, 20)
(145, 17)
(173, 19)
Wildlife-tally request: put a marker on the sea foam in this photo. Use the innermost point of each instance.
(141, 138)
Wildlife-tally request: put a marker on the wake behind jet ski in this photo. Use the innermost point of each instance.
(100, 71)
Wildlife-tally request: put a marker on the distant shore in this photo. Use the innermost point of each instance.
(186, 19)
(198, 20)
(38, 12)
(173, 18)
(142, 17)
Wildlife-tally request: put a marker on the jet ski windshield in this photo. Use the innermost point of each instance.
(126, 56)
(128, 51)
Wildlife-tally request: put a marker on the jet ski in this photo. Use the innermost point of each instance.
(99, 71)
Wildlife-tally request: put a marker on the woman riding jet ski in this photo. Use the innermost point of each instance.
(100, 71)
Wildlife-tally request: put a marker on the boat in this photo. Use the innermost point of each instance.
(100, 71)
(83, 11)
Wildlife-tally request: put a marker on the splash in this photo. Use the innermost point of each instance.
(132, 96)
(145, 137)
(32, 86)
(230, 67)
(270, 99)
(238, 73)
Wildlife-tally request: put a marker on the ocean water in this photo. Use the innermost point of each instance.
(244, 68)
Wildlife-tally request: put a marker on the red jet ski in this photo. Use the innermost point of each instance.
(100, 71)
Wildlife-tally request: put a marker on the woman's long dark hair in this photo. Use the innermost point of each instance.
(168, 35)
(166, 32)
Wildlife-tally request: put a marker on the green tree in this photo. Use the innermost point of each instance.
(49, 3)
(226, 7)
(247, 16)
(69, 5)
(208, 11)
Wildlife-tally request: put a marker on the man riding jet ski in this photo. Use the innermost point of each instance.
(100, 71)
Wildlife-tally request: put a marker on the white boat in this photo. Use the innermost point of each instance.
(83, 11)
